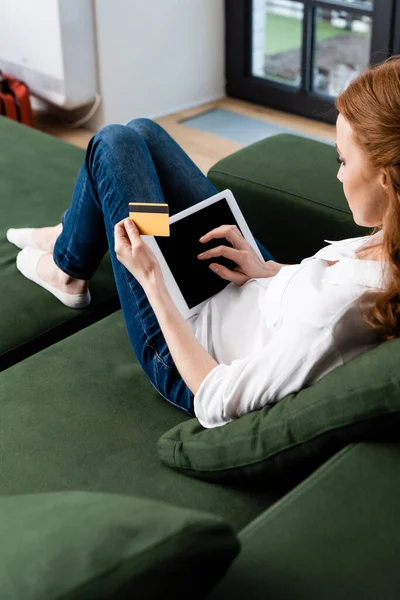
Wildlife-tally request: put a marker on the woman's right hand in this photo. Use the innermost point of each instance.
(250, 265)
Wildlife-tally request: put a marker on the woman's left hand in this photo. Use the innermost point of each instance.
(135, 254)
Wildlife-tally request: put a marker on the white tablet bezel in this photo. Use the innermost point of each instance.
(167, 273)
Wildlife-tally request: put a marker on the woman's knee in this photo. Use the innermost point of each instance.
(146, 128)
(113, 144)
(136, 133)
(114, 135)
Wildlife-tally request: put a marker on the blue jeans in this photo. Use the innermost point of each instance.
(138, 162)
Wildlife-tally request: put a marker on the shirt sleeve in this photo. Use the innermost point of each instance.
(296, 356)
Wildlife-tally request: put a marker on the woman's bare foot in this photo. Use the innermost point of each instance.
(45, 237)
(48, 271)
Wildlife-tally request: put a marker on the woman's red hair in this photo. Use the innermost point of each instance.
(371, 106)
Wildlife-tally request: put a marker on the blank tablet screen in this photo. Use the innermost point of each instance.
(193, 276)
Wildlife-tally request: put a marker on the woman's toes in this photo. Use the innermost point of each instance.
(21, 237)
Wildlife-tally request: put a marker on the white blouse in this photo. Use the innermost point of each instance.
(276, 335)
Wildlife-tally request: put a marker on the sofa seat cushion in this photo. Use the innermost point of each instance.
(82, 415)
(37, 177)
(287, 189)
(358, 401)
(335, 536)
(78, 545)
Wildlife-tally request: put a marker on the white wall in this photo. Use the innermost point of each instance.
(49, 45)
(156, 57)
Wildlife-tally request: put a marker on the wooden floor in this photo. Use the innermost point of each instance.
(204, 149)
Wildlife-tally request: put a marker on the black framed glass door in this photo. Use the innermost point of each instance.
(298, 55)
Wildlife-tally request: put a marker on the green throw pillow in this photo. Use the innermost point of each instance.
(358, 401)
(78, 545)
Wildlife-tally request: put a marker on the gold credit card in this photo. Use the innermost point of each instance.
(151, 218)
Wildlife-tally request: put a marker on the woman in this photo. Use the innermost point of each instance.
(274, 328)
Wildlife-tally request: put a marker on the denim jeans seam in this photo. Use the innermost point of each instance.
(189, 411)
(156, 386)
(68, 249)
(159, 357)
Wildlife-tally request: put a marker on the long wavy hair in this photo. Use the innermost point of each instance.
(371, 106)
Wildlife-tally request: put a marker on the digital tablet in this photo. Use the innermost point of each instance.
(189, 280)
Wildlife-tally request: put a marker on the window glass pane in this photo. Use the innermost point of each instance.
(277, 40)
(342, 49)
(365, 4)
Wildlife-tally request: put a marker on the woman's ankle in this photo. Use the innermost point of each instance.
(66, 279)
(51, 273)
(46, 237)
(57, 231)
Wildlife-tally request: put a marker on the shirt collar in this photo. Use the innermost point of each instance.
(356, 242)
(350, 268)
(367, 273)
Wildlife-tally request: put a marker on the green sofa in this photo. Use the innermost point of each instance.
(89, 449)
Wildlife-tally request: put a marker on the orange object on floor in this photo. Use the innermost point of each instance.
(14, 100)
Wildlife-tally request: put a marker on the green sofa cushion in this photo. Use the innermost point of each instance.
(287, 188)
(357, 401)
(37, 177)
(78, 545)
(336, 536)
(82, 415)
